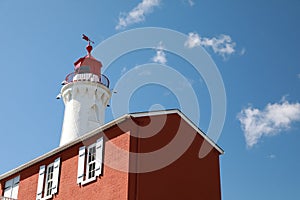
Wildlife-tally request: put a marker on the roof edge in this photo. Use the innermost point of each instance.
(106, 126)
(186, 119)
(61, 148)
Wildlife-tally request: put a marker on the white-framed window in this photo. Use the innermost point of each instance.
(48, 180)
(90, 162)
(11, 188)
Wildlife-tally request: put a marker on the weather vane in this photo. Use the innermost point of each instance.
(87, 39)
(89, 48)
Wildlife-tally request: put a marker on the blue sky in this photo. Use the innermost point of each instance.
(254, 44)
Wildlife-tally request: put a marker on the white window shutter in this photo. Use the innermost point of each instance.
(40, 182)
(8, 188)
(80, 169)
(15, 188)
(55, 176)
(99, 155)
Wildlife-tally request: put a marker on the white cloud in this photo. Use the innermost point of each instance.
(272, 156)
(145, 73)
(191, 2)
(167, 93)
(124, 69)
(137, 14)
(243, 51)
(184, 85)
(193, 40)
(298, 75)
(160, 56)
(272, 120)
(222, 45)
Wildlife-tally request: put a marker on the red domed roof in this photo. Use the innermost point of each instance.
(88, 64)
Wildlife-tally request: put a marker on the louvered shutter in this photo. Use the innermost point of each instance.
(99, 155)
(40, 182)
(15, 188)
(80, 169)
(55, 175)
(8, 188)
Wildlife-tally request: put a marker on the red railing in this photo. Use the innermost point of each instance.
(102, 79)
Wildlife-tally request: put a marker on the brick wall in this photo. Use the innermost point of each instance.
(112, 185)
(187, 177)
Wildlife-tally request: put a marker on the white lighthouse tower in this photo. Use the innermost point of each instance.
(85, 94)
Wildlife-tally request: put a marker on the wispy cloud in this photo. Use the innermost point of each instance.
(137, 14)
(124, 69)
(187, 84)
(160, 56)
(243, 51)
(272, 156)
(191, 2)
(272, 120)
(298, 75)
(145, 73)
(221, 45)
(193, 40)
(167, 93)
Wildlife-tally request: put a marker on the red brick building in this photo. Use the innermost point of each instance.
(187, 177)
(139, 156)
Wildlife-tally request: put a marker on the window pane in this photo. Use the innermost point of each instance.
(83, 69)
(11, 188)
(91, 162)
(49, 188)
(49, 180)
(91, 170)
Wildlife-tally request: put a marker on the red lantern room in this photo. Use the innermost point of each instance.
(88, 64)
(87, 68)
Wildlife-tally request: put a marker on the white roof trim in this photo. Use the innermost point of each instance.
(104, 127)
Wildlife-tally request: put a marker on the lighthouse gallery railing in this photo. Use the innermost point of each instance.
(102, 79)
